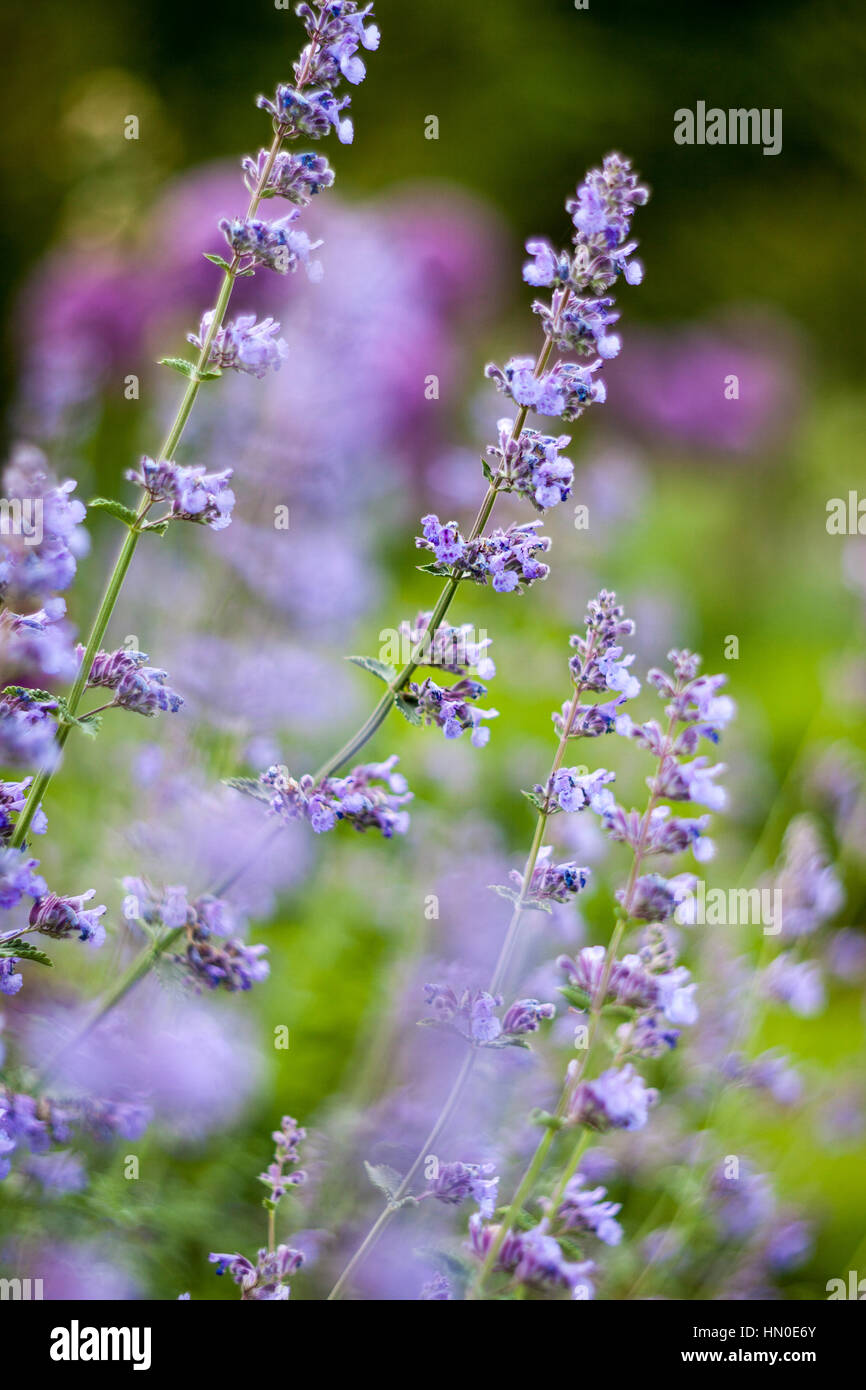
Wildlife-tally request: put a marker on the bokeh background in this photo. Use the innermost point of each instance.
(707, 515)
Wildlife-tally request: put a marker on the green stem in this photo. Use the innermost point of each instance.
(118, 574)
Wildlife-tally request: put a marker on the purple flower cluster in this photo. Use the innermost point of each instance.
(298, 177)
(618, 1099)
(266, 1280)
(194, 494)
(36, 648)
(578, 317)
(277, 245)
(13, 795)
(532, 464)
(137, 686)
(507, 557)
(453, 649)
(370, 796)
(533, 1258)
(213, 959)
(585, 1210)
(27, 727)
(37, 1125)
(455, 1182)
(551, 883)
(634, 982)
(17, 877)
(39, 551)
(472, 1014)
(450, 707)
(287, 1139)
(243, 345)
(64, 917)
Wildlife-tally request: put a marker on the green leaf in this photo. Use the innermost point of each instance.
(87, 723)
(378, 668)
(24, 951)
(537, 801)
(442, 571)
(408, 709)
(387, 1179)
(189, 369)
(250, 786)
(538, 904)
(118, 509)
(504, 891)
(578, 997)
(217, 260)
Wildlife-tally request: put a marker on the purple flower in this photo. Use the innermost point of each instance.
(566, 390)
(574, 790)
(550, 882)
(66, 917)
(585, 1210)
(10, 983)
(39, 555)
(532, 1257)
(243, 345)
(36, 648)
(523, 1016)
(194, 494)
(472, 1013)
(799, 984)
(371, 796)
(313, 113)
(137, 687)
(27, 728)
(437, 1290)
(287, 1140)
(532, 465)
(276, 245)
(298, 177)
(658, 834)
(618, 1099)
(449, 708)
(13, 797)
(453, 649)
(17, 877)
(656, 899)
(454, 1182)
(266, 1279)
(547, 267)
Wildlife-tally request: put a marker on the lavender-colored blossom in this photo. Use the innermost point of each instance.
(276, 245)
(618, 1099)
(138, 687)
(472, 1013)
(532, 1257)
(598, 663)
(455, 1182)
(657, 833)
(17, 877)
(13, 798)
(532, 465)
(211, 958)
(37, 1125)
(550, 882)
(810, 886)
(313, 113)
(266, 1279)
(27, 728)
(799, 984)
(584, 1209)
(656, 899)
(40, 558)
(566, 390)
(298, 177)
(371, 796)
(243, 345)
(36, 648)
(437, 1290)
(507, 557)
(64, 917)
(287, 1140)
(743, 1200)
(574, 790)
(454, 649)
(10, 982)
(194, 494)
(449, 708)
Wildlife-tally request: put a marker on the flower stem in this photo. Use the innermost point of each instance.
(118, 574)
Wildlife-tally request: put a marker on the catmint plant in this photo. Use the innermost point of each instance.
(34, 723)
